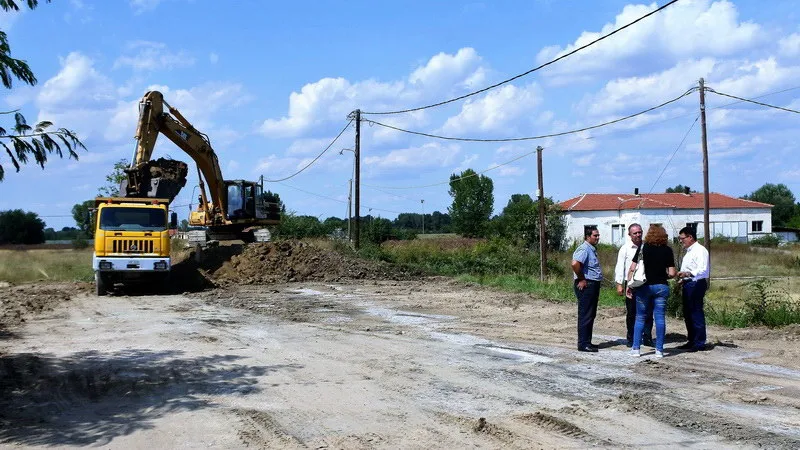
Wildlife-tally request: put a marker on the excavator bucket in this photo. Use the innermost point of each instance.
(160, 178)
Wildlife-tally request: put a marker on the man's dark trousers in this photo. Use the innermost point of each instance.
(630, 321)
(693, 315)
(587, 310)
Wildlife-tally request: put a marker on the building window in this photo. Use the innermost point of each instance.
(758, 225)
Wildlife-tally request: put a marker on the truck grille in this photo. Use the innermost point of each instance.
(132, 246)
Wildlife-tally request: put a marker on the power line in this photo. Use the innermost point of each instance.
(752, 101)
(335, 199)
(530, 138)
(525, 73)
(674, 153)
(318, 156)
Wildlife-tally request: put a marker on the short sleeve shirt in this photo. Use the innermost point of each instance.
(657, 258)
(586, 254)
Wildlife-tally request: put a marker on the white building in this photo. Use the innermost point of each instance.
(613, 213)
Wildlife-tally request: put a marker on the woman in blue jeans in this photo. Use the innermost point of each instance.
(651, 297)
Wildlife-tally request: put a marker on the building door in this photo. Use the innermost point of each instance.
(618, 235)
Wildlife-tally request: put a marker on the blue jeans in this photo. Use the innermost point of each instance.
(651, 300)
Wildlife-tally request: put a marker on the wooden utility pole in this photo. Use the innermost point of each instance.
(350, 211)
(357, 226)
(706, 221)
(542, 227)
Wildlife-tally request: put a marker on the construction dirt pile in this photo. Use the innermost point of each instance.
(20, 302)
(292, 260)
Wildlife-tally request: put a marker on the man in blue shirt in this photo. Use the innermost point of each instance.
(587, 276)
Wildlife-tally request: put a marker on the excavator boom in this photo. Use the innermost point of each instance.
(231, 205)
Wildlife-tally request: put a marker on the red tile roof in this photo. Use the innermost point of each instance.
(616, 202)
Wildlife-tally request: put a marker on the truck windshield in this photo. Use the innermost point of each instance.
(133, 219)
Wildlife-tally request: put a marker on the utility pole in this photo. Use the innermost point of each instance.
(422, 202)
(357, 226)
(706, 221)
(542, 228)
(349, 210)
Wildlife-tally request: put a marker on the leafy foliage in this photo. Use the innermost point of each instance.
(473, 200)
(780, 196)
(679, 189)
(81, 215)
(25, 141)
(519, 223)
(113, 180)
(20, 227)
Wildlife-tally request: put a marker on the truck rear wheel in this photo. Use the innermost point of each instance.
(100, 284)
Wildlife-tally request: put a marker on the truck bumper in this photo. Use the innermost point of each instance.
(131, 264)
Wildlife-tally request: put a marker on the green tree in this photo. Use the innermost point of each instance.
(519, 222)
(20, 227)
(473, 201)
(113, 180)
(679, 189)
(780, 196)
(184, 226)
(23, 141)
(377, 230)
(81, 212)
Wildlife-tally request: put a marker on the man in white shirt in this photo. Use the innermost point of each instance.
(693, 276)
(624, 259)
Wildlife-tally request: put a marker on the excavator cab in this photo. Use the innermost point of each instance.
(246, 202)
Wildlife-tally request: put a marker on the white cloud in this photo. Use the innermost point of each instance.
(431, 154)
(140, 6)
(625, 94)
(311, 146)
(332, 99)
(213, 58)
(497, 111)
(687, 29)
(444, 71)
(751, 79)
(77, 84)
(153, 56)
(790, 45)
(508, 171)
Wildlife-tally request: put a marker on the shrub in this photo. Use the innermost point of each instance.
(79, 243)
(768, 240)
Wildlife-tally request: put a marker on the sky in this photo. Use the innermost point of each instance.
(272, 84)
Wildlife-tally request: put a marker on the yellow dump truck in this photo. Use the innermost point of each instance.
(131, 241)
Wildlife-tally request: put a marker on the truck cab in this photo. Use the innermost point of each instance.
(131, 241)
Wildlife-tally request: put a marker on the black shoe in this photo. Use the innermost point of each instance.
(700, 348)
(686, 346)
(629, 344)
(594, 346)
(588, 348)
(648, 342)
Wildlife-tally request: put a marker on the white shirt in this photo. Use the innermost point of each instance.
(624, 259)
(696, 262)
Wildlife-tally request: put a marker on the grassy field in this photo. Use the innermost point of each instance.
(24, 266)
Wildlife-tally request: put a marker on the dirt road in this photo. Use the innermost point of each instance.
(375, 364)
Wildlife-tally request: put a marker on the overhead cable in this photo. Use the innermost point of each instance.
(529, 71)
(674, 153)
(335, 199)
(752, 101)
(530, 138)
(318, 156)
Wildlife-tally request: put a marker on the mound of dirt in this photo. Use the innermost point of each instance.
(21, 302)
(292, 260)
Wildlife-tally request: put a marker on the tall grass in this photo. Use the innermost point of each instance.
(24, 266)
(762, 301)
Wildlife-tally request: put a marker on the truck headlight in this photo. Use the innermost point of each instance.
(105, 265)
(160, 265)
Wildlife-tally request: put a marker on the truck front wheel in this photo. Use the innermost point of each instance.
(100, 284)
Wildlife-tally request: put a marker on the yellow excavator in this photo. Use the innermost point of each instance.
(232, 209)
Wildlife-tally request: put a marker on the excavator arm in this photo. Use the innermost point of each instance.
(153, 119)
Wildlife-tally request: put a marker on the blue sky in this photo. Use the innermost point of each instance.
(272, 83)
